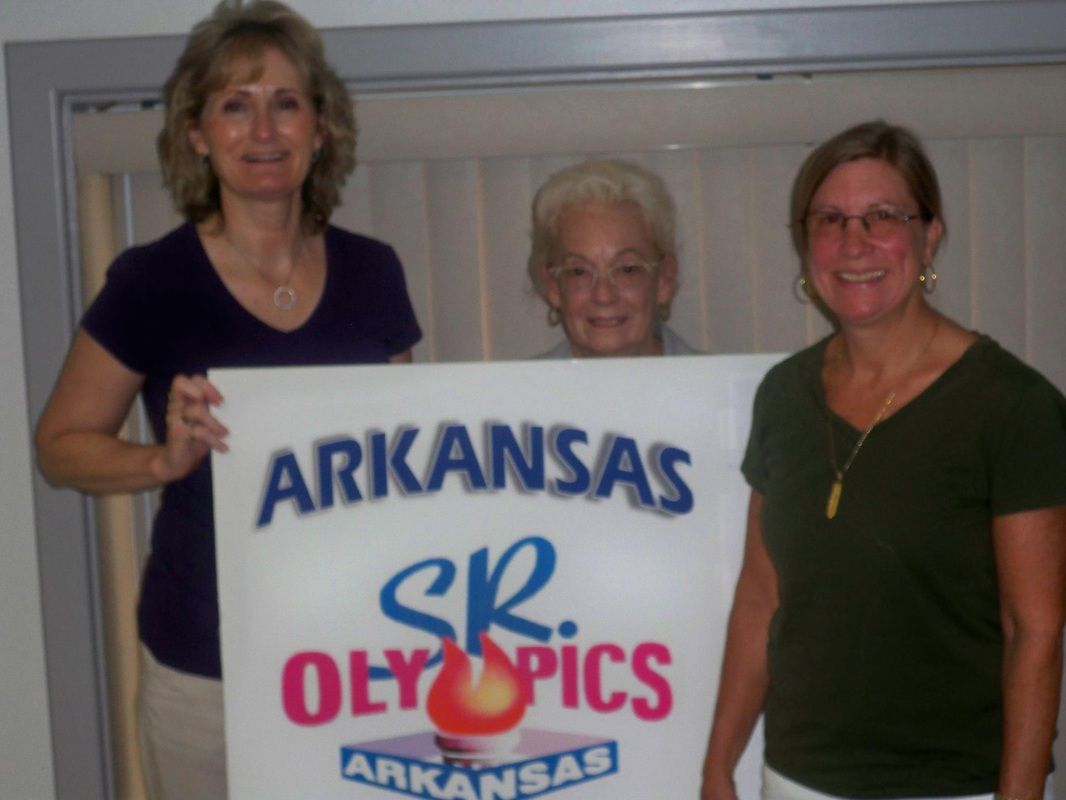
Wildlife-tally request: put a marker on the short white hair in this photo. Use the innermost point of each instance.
(604, 181)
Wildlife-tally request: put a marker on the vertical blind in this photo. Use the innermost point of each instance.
(461, 228)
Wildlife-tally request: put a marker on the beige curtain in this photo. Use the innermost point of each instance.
(447, 180)
(461, 228)
(117, 531)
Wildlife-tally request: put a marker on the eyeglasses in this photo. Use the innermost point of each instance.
(880, 223)
(628, 276)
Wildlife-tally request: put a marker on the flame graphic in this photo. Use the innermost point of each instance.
(497, 704)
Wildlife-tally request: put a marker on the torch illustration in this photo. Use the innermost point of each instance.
(476, 725)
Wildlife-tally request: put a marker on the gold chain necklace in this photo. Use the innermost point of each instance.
(284, 294)
(832, 503)
(837, 488)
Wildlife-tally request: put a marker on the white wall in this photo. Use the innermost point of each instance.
(24, 721)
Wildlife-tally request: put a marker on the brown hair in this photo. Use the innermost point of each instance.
(879, 140)
(231, 35)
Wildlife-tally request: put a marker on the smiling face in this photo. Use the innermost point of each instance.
(606, 320)
(863, 278)
(259, 134)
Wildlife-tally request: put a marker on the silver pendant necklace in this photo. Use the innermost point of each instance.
(284, 294)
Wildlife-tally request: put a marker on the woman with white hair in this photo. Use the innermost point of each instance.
(604, 259)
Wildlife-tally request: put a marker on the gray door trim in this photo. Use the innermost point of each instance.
(46, 80)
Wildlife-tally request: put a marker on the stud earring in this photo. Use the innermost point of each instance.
(928, 279)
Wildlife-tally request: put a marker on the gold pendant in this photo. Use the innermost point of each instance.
(834, 499)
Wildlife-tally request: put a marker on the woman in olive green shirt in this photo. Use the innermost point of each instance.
(900, 609)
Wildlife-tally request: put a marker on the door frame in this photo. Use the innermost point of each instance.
(48, 81)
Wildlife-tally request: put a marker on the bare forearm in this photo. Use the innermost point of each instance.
(741, 697)
(99, 463)
(1031, 568)
(1032, 672)
(745, 675)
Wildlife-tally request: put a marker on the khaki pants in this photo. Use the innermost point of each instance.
(183, 746)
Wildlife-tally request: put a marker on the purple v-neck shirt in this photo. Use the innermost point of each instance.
(164, 311)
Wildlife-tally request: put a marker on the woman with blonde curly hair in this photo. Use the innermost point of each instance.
(259, 137)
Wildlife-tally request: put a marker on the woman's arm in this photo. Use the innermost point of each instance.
(401, 358)
(77, 441)
(1031, 566)
(745, 675)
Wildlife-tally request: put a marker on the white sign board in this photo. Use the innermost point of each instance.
(478, 581)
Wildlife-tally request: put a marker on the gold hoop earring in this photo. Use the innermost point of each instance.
(802, 290)
(927, 281)
(554, 316)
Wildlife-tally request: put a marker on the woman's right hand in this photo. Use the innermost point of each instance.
(78, 445)
(745, 676)
(192, 430)
(717, 789)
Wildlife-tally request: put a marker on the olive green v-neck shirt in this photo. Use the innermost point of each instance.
(886, 650)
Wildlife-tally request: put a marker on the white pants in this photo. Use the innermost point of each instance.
(183, 746)
(776, 786)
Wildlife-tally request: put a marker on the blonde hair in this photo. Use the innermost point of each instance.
(216, 44)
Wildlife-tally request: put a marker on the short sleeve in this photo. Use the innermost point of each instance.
(118, 318)
(368, 292)
(1028, 465)
(753, 466)
(402, 330)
